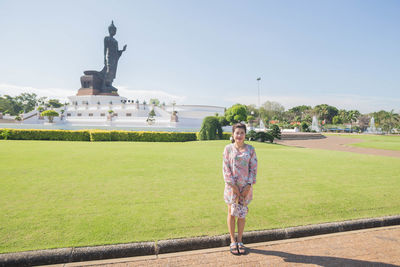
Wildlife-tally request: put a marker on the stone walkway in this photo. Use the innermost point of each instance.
(340, 144)
(371, 247)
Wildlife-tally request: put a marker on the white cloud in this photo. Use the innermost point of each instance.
(364, 104)
(62, 94)
(58, 93)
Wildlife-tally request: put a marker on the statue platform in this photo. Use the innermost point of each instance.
(93, 84)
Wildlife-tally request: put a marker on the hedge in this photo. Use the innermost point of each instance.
(36, 134)
(95, 135)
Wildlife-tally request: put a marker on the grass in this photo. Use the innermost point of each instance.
(389, 142)
(63, 194)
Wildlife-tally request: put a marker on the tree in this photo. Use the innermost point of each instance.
(389, 121)
(275, 131)
(236, 113)
(250, 119)
(150, 118)
(54, 103)
(298, 111)
(337, 120)
(353, 116)
(252, 110)
(27, 101)
(222, 121)
(325, 112)
(22, 103)
(154, 101)
(304, 127)
(152, 113)
(363, 122)
(50, 114)
(210, 129)
(272, 110)
(343, 116)
(259, 136)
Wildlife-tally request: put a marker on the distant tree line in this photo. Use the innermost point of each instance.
(25, 102)
(273, 113)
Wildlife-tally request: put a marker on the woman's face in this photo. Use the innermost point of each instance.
(238, 135)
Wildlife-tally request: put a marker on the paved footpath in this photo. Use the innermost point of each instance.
(371, 247)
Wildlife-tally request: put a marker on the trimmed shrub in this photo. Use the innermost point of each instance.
(264, 136)
(50, 114)
(210, 129)
(35, 134)
(251, 135)
(141, 136)
(304, 127)
(4, 134)
(275, 131)
(222, 120)
(95, 135)
(99, 135)
(226, 136)
(259, 136)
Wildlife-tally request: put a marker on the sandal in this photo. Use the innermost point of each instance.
(234, 249)
(241, 248)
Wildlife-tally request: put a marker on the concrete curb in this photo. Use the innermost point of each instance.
(66, 255)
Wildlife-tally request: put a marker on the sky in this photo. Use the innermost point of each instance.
(344, 53)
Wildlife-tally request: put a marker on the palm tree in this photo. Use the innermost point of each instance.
(353, 116)
(390, 120)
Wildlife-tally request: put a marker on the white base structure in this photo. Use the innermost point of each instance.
(94, 110)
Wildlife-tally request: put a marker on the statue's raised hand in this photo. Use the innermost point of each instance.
(123, 49)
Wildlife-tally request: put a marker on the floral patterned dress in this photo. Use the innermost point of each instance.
(239, 168)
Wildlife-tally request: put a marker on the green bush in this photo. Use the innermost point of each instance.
(222, 120)
(35, 134)
(264, 136)
(95, 135)
(304, 127)
(236, 113)
(50, 114)
(226, 136)
(251, 135)
(275, 131)
(99, 135)
(259, 136)
(4, 134)
(210, 129)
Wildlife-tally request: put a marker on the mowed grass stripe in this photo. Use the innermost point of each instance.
(388, 142)
(63, 194)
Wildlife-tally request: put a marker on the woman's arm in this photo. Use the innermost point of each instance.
(226, 168)
(252, 167)
(227, 171)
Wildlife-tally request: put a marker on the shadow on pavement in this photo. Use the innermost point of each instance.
(318, 260)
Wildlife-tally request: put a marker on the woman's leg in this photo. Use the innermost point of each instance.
(231, 225)
(241, 222)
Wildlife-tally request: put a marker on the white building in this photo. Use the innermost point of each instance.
(117, 111)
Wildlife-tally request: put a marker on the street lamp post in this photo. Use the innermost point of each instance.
(258, 85)
(259, 104)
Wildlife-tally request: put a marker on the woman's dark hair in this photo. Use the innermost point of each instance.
(236, 126)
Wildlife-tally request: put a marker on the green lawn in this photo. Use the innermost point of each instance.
(390, 142)
(63, 194)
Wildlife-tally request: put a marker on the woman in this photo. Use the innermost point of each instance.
(240, 170)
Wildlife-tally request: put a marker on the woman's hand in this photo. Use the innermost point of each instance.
(235, 190)
(246, 191)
